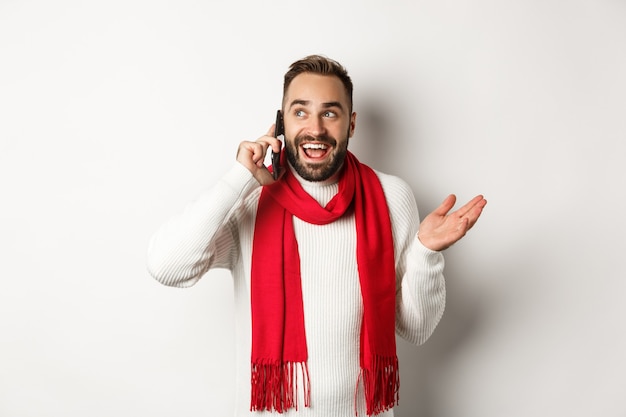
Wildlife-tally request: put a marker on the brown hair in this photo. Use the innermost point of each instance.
(318, 64)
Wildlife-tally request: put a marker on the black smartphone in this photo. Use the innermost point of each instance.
(279, 130)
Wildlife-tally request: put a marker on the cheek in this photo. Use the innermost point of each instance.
(290, 134)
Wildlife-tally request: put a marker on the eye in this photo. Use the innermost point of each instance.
(330, 114)
(299, 113)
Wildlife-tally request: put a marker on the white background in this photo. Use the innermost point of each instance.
(113, 115)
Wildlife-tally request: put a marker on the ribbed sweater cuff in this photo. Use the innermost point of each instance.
(430, 258)
(423, 249)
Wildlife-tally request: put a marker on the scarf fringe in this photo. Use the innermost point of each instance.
(275, 386)
(381, 385)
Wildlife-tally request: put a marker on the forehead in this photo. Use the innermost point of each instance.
(316, 88)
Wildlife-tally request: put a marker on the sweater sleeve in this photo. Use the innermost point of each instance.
(421, 295)
(204, 235)
(420, 285)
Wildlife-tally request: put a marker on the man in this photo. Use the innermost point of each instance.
(329, 261)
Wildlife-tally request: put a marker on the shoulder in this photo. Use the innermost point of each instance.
(399, 196)
(402, 206)
(397, 190)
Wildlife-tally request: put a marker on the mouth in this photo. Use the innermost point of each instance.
(315, 151)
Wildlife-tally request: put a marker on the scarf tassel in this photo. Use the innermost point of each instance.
(275, 386)
(381, 385)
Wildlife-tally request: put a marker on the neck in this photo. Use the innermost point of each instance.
(321, 191)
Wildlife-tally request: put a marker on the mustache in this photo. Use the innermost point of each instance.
(328, 140)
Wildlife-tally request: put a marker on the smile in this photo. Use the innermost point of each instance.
(315, 150)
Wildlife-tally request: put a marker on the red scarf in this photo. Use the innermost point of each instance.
(279, 347)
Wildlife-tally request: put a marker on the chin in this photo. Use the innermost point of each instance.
(318, 172)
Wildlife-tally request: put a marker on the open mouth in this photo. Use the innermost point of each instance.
(316, 151)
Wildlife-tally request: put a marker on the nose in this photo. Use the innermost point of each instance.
(316, 126)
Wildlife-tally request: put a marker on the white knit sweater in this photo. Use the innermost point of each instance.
(216, 231)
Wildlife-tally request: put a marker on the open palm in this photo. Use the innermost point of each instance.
(440, 229)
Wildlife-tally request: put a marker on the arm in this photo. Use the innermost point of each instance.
(420, 285)
(421, 295)
(204, 235)
(420, 299)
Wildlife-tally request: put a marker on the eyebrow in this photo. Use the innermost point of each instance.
(326, 105)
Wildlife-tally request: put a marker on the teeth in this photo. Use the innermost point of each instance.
(314, 146)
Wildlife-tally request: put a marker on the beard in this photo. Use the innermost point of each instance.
(319, 171)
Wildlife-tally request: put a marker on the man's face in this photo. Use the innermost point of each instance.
(318, 124)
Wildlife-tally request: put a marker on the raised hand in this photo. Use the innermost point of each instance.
(440, 230)
(252, 155)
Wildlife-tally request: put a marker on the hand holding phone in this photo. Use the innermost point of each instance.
(278, 130)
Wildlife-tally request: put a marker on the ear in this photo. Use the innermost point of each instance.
(352, 124)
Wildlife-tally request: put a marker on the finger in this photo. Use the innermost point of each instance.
(273, 143)
(446, 205)
(271, 140)
(478, 201)
(276, 145)
(475, 213)
(472, 216)
(463, 227)
(250, 155)
(258, 153)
